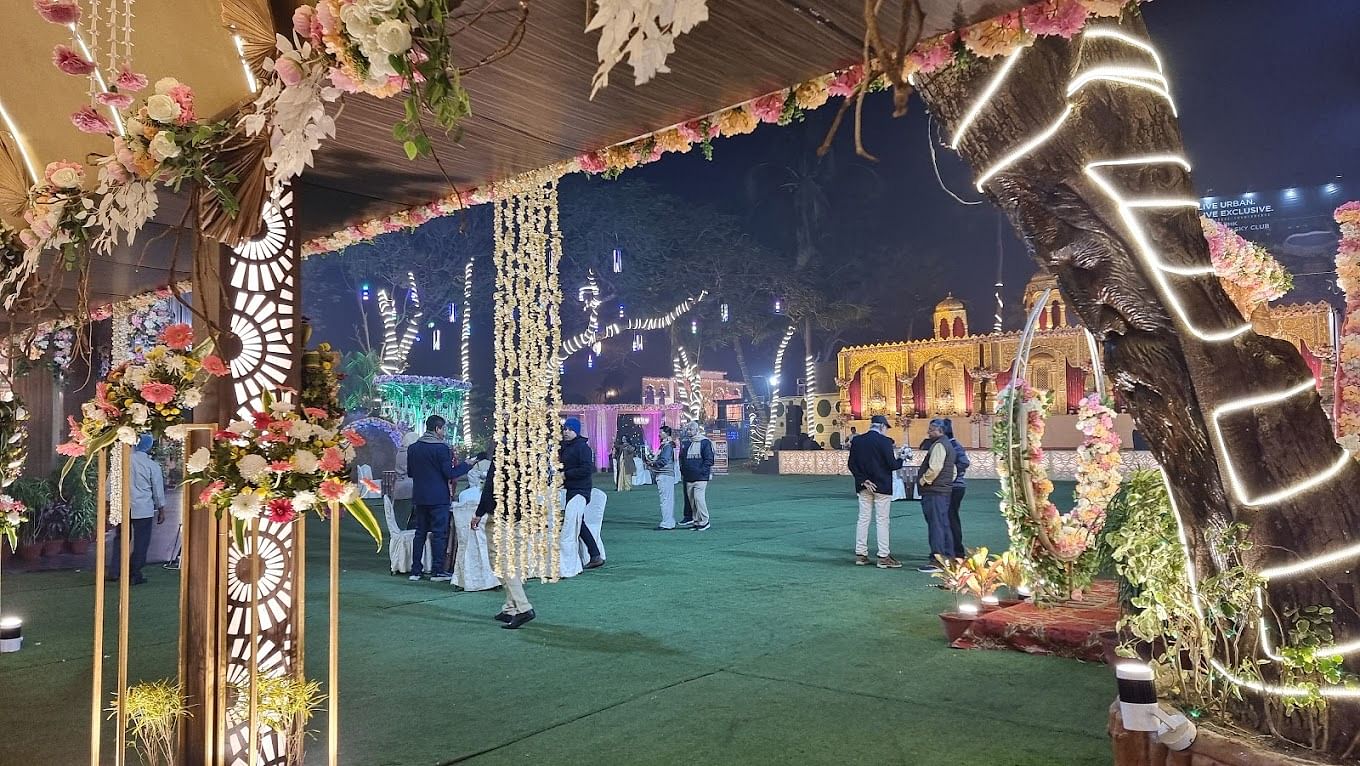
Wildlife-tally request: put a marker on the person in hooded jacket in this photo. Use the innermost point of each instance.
(578, 466)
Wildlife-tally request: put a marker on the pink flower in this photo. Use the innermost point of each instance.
(64, 174)
(115, 100)
(65, 58)
(184, 96)
(280, 510)
(306, 25)
(694, 132)
(769, 108)
(1063, 18)
(209, 492)
(846, 82)
(592, 163)
(158, 393)
(332, 461)
(130, 81)
(101, 313)
(326, 18)
(316, 413)
(932, 55)
(370, 485)
(87, 120)
(262, 421)
(63, 12)
(29, 238)
(214, 365)
(343, 81)
(115, 171)
(71, 449)
(280, 466)
(289, 70)
(178, 336)
(354, 438)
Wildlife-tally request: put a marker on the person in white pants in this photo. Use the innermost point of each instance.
(872, 461)
(517, 610)
(667, 474)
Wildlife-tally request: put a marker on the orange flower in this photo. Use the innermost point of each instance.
(178, 336)
(158, 393)
(355, 438)
(736, 121)
(214, 365)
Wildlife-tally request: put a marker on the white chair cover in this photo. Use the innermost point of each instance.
(899, 487)
(641, 475)
(594, 519)
(401, 541)
(570, 541)
(403, 489)
(470, 495)
(365, 471)
(472, 565)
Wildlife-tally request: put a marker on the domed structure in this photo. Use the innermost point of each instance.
(1055, 310)
(950, 319)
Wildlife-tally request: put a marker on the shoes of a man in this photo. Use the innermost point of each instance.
(519, 619)
(686, 523)
(503, 617)
(928, 569)
(701, 527)
(171, 564)
(660, 528)
(861, 559)
(594, 563)
(415, 578)
(138, 580)
(441, 577)
(888, 562)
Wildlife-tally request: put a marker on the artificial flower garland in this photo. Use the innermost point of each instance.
(1058, 549)
(1348, 367)
(283, 462)
(147, 396)
(995, 37)
(1251, 275)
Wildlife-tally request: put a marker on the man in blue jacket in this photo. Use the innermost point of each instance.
(872, 462)
(696, 468)
(429, 462)
(578, 466)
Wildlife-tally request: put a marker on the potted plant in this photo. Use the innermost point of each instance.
(154, 710)
(52, 524)
(1010, 572)
(82, 517)
(971, 575)
(36, 494)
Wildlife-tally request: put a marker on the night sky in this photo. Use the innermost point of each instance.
(1267, 93)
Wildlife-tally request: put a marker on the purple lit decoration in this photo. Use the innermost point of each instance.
(618, 261)
(378, 424)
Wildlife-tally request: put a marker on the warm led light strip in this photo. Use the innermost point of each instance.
(1111, 33)
(1138, 77)
(20, 144)
(1024, 149)
(774, 389)
(466, 350)
(1235, 480)
(1317, 562)
(251, 82)
(984, 98)
(809, 391)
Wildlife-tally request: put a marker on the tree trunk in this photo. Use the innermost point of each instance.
(1154, 322)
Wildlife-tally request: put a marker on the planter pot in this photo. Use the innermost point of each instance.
(955, 624)
(29, 551)
(53, 547)
(1009, 602)
(78, 547)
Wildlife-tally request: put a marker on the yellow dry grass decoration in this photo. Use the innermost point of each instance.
(154, 710)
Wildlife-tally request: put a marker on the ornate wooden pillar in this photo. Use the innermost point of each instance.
(243, 615)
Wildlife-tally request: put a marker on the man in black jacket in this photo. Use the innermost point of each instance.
(578, 466)
(937, 485)
(872, 462)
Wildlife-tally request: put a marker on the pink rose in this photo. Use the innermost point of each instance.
(65, 58)
(289, 70)
(343, 81)
(115, 171)
(64, 174)
(184, 96)
(846, 82)
(130, 81)
(115, 100)
(29, 238)
(158, 393)
(87, 120)
(327, 19)
(306, 25)
(769, 108)
(63, 12)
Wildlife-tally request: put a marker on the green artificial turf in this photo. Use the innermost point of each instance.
(756, 642)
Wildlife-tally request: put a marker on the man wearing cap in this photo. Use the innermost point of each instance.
(578, 466)
(872, 462)
(937, 485)
(146, 503)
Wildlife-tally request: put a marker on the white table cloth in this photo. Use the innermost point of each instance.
(472, 563)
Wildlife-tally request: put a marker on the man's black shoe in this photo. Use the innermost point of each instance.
(503, 617)
(138, 580)
(519, 620)
(595, 563)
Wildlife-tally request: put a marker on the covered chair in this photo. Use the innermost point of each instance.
(570, 541)
(640, 473)
(365, 471)
(404, 486)
(472, 563)
(401, 541)
(594, 519)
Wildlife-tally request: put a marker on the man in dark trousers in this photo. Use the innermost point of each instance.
(873, 459)
(429, 462)
(578, 466)
(937, 486)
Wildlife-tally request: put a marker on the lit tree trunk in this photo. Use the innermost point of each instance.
(1169, 341)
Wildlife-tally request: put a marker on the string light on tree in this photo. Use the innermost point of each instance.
(589, 298)
(465, 352)
(723, 313)
(809, 390)
(763, 449)
(618, 261)
(588, 337)
(396, 347)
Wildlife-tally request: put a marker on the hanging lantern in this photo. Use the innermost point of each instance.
(590, 361)
(364, 291)
(779, 305)
(618, 261)
(436, 339)
(724, 313)
(693, 327)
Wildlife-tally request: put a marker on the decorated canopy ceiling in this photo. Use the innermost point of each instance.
(530, 109)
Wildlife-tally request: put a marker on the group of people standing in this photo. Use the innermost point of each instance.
(687, 460)
(940, 478)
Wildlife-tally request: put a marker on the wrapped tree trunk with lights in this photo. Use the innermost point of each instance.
(1077, 142)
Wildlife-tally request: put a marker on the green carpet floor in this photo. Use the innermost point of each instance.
(756, 642)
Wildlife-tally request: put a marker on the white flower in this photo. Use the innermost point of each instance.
(382, 7)
(173, 362)
(162, 108)
(192, 398)
(253, 467)
(348, 495)
(139, 413)
(240, 427)
(135, 126)
(301, 430)
(134, 376)
(126, 435)
(165, 85)
(89, 410)
(305, 461)
(356, 19)
(177, 432)
(304, 500)
(198, 462)
(394, 37)
(13, 518)
(245, 506)
(66, 178)
(6, 395)
(163, 146)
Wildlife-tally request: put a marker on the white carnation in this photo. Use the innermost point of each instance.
(177, 432)
(192, 398)
(198, 462)
(126, 435)
(139, 413)
(305, 461)
(304, 500)
(240, 427)
(253, 467)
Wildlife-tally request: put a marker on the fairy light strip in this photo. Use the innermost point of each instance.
(774, 389)
(809, 391)
(690, 385)
(465, 331)
(985, 98)
(588, 337)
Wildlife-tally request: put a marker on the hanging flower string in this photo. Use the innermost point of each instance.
(1250, 273)
(1348, 368)
(280, 464)
(1057, 549)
